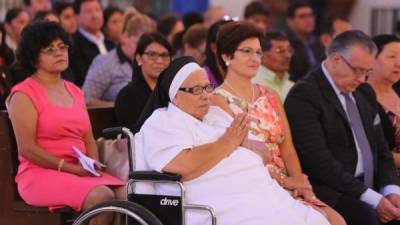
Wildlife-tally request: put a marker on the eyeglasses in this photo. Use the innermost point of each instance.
(250, 52)
(53, 50)
(152, 55)
(282, 51)
(198, 90)
(357, 70)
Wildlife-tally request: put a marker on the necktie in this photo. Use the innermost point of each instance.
(363, 144)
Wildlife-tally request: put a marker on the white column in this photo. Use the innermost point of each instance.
(232, 7)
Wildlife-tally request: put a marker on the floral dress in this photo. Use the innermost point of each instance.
(395, 120)
(265, 125)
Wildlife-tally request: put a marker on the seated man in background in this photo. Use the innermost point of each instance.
(257, 13)
(273, 72)
(169, 26)
(34, 6)
(66, 14)
(88, 41)
(333, 27)
(308, 50)
(109, 73)
(338, 136)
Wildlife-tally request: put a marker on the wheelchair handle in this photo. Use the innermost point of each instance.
(112, 132)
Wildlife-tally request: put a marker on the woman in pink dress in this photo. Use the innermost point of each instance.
(49, 118)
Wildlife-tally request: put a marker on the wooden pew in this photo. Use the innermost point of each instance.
(13, 210)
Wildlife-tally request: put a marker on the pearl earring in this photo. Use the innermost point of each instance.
(227, 63)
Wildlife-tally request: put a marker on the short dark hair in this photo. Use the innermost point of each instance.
(41, 15)
(327, 24)
(384, 39)
(78, 3)
(270, 36)
(192, 18)
(256, 8)
(231, 35)
(166, 24)
(109, 11)
(27, 2)
(34, 37)
(294, 6)
(12, 14)
(60, 6)
(345, 40)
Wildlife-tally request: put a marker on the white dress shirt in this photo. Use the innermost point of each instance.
(98, 41)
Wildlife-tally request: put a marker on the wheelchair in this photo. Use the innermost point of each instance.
(145, 207)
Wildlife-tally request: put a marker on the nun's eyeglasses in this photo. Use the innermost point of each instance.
(198, 90)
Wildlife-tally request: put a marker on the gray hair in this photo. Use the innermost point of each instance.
(344, 41)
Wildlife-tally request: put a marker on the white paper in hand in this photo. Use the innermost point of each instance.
(88, 163)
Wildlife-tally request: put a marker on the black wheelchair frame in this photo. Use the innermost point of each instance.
(145, 209)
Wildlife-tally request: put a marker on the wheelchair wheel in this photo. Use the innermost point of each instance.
(135, 212)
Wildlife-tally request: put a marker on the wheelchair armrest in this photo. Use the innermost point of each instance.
(154, 175)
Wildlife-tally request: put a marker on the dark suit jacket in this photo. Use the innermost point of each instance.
(82, 55)
(324, 140)
(299, 65)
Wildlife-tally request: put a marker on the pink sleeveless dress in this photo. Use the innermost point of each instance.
(58, 129)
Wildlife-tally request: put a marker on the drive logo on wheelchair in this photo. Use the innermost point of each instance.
(169, 202)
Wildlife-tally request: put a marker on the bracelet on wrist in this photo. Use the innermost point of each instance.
(60, 164)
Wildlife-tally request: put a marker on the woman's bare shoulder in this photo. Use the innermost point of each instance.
(220, 101)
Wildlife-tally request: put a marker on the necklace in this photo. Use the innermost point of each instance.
(240, 96)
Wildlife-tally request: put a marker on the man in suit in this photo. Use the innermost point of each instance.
(337, 133)
(88, 41)
(308, 50)
(332, 27)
